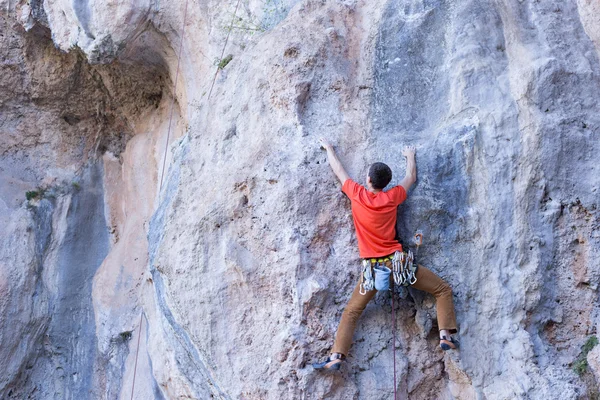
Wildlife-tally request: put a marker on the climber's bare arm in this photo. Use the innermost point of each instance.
(334, 162)
(411, 167)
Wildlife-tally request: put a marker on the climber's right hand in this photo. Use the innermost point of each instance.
(325, 144)
(409, 151)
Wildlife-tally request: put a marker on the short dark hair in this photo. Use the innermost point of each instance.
(380, 175)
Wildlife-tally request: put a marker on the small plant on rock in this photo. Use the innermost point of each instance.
(226, 60)
(126, 335)
(580, 364)
(32, 194)
(35, 194)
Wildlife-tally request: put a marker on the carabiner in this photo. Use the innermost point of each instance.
(418, 238)
(413, 280)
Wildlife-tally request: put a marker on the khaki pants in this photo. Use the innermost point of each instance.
(426, 281)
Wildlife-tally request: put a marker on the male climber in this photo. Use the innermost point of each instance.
(374, 214)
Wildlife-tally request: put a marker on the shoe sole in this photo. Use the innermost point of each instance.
(447, 345)
(330, 366)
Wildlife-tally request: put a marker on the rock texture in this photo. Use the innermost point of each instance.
(175, 245)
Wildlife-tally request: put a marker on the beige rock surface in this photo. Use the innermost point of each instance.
(238, 266)
(593, 359)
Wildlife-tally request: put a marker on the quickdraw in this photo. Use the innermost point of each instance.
(404, 268)
(367, 280)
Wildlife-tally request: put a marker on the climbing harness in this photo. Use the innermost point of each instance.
(375, 274)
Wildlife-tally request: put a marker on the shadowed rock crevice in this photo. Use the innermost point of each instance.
(94, 107)
(59, 111)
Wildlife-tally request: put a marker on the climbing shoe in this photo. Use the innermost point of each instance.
(447, 344)
(333, 363)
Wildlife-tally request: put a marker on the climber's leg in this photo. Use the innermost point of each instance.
(353, 310)
(429, 282)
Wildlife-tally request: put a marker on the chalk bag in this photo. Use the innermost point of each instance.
(382, 277)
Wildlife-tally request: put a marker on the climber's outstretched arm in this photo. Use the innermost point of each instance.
(334, 162)
(411, 167)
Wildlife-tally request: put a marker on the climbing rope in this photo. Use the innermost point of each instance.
(404, 273)
(167, 145)
(174, 96)
(394, 337)
(223, 51)
(137, 351)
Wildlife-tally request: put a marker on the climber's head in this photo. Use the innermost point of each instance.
(379, 176)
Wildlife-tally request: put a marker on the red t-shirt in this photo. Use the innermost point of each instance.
(374, 218)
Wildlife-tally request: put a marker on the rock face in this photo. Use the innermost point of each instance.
(179, 245)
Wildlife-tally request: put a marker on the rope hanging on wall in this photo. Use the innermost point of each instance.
(167, 146)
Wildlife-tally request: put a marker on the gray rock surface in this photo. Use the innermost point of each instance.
(214, 259)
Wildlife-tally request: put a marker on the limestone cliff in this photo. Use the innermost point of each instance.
(200, 246)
